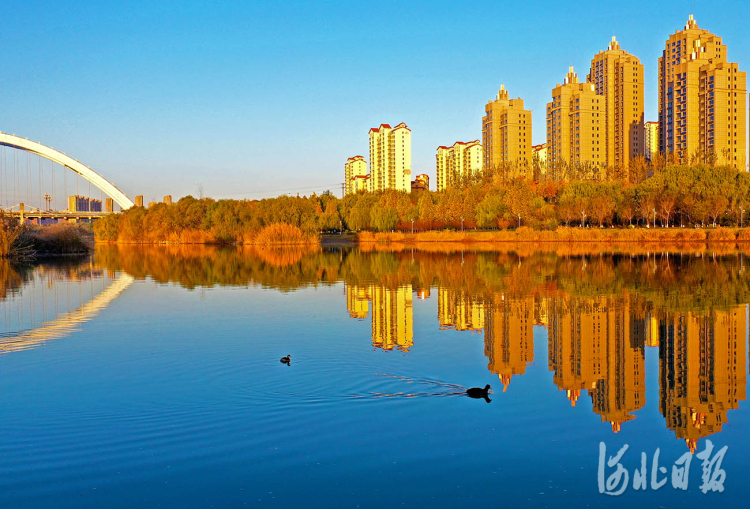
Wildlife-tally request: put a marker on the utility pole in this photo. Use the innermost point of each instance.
(343, 191)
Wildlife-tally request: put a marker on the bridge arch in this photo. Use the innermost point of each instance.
(107, 187)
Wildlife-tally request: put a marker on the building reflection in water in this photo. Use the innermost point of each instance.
(392, 314)
(460, 310)
(600, 314)
(509, 336)
(595, 344)
(702, 370)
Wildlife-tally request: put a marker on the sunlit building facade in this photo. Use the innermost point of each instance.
(355, 168)
(459, 160)
(575, 123)
(506, 131)
(651, 140)
(702, 100)
(390, 158)
(618, 77)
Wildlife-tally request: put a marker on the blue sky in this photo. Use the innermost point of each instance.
(253, 99)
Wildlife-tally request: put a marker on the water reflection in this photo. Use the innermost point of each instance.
(600, 311)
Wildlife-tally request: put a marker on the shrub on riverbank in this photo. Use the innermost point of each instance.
(62, 238)
(9, 232)
(283, 234)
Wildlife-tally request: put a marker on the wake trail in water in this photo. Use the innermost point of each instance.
(449, 389)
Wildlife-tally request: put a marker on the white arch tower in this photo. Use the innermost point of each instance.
(107, 187)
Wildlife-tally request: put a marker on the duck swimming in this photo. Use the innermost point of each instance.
(287, 360)
(478, 393)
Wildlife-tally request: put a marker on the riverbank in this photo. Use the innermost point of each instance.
(564, 235)
(54, 240)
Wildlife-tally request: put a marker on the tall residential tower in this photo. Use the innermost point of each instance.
(575, 123)
(506, 131)
(451, 163)
(390, 158)
(355, 167)
(618, 76)
(702, 99)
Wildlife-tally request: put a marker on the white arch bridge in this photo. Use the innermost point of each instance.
(107, 187)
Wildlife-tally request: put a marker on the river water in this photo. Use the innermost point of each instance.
(151, 377)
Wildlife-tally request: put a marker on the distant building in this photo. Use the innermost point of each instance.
(702, 99)
(83, 204)
(575, 123)
(421, 183)
(390, 158)
(506, 131)
(539, 154)
(651, 139)
(139, 200)
(110, 204)
(618, 77)
(168, 199)
(463, 158)
(360, 183)
(355, 167)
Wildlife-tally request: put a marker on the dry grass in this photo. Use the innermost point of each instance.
(598, 235)
(61, 238)
(283, 234)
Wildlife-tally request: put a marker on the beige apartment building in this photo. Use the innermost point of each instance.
(506, 131)
(451, 163)
(702, 99)
(390, 158)
(355, 171)
(651, 140)
(539, 154)
(575, 123)
(618, 77)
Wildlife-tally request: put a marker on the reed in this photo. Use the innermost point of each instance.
(283, 234)
(597, 235)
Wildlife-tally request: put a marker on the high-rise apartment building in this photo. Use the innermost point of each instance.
(575, 123)
(506, 131)
(618, 77)
(463, 158)
(390, 158)
(702, 99)
(354, 167)
(651, 140)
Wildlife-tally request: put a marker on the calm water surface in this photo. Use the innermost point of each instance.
(146, 377)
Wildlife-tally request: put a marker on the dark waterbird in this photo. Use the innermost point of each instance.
(287, 360)
(478, 393)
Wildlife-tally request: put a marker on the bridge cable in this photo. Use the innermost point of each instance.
(2, 178)
(28, 178)
(15, 176)
(39, 161)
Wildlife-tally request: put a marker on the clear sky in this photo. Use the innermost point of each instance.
(258, 98)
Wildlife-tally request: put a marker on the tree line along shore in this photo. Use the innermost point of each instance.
(694, 203)
(684, 203)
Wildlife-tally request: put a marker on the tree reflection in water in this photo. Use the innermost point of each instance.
(601, 308)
